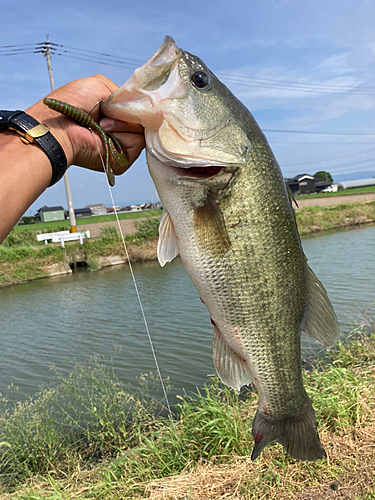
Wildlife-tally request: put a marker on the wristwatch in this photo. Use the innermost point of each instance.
(30, 130)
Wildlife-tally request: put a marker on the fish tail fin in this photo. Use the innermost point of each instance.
(297, 435)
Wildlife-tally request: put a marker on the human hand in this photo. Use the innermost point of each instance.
(79, 144)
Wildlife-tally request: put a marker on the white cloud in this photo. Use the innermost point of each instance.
(337, 64)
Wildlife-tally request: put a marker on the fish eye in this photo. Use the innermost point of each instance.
(200, 79)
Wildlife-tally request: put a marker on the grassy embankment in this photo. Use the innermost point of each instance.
(86, 437)
(315, 218)
(21, 260)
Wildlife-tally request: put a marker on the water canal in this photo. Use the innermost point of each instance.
(63, 321)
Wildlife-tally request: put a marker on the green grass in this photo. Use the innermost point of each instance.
(87, 220)
(344, 192)
(86, 436)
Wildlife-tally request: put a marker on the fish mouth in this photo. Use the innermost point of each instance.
(147, 87)
(199, 172)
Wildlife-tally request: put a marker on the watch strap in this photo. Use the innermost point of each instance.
(31, 131)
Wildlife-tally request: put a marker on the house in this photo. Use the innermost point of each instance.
(82, 212)
(97, 209)
(79, 213)
(48, 214)
(302, 184)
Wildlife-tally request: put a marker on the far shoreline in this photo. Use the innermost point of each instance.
(21, 264)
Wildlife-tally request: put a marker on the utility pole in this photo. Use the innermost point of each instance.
(72, 217)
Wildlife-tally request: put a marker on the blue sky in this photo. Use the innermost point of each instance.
(298, 65)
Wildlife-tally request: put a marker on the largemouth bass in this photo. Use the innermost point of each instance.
(227, 211)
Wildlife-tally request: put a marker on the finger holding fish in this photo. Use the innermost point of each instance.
(130, 135)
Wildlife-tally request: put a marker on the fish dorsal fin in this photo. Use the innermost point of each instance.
(321, 322)
(291, 195)
(230, 367)
(168, 243)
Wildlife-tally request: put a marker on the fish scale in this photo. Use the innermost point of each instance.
(228, 213)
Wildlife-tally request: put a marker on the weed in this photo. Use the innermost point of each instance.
(82, 416)
(14, 238)
(109, 234)
(147, 229)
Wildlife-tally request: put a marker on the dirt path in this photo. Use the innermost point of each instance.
(127, 226)
(335, 200)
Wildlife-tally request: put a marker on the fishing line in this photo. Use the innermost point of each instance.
(136, 289)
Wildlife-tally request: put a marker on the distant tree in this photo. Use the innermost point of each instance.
(323, 177)
(26, 220)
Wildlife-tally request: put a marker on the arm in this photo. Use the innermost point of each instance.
(25, 170)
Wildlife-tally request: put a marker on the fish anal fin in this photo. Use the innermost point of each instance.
(298, 435)
(321, 321)
(168, 243)
(230, 367)
(209, 228)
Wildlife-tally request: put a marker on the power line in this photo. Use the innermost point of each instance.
(16, 45)
(322, 160)
(289, 84)
(128, 63)
(253, 81)
(345, 168)
(131, 63)
(86, 55)
(354, 162)
(19, 53)
(296, 143)
(353, 91)
(138, 61)
(311, 132)
(295, 88)
(98, 61)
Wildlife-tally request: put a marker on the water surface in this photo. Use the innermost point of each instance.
(65, 320)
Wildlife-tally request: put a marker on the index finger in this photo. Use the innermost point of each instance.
(110, 125)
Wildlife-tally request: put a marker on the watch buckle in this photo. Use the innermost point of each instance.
(32, 134)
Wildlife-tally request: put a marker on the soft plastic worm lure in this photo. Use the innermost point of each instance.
(111, 144)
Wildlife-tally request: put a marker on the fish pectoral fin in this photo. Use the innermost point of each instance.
(168, 243)
(230, 367)
(321, 322)
(291, 195)
(209, 228)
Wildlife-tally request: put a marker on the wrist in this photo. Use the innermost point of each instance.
(58, 125)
